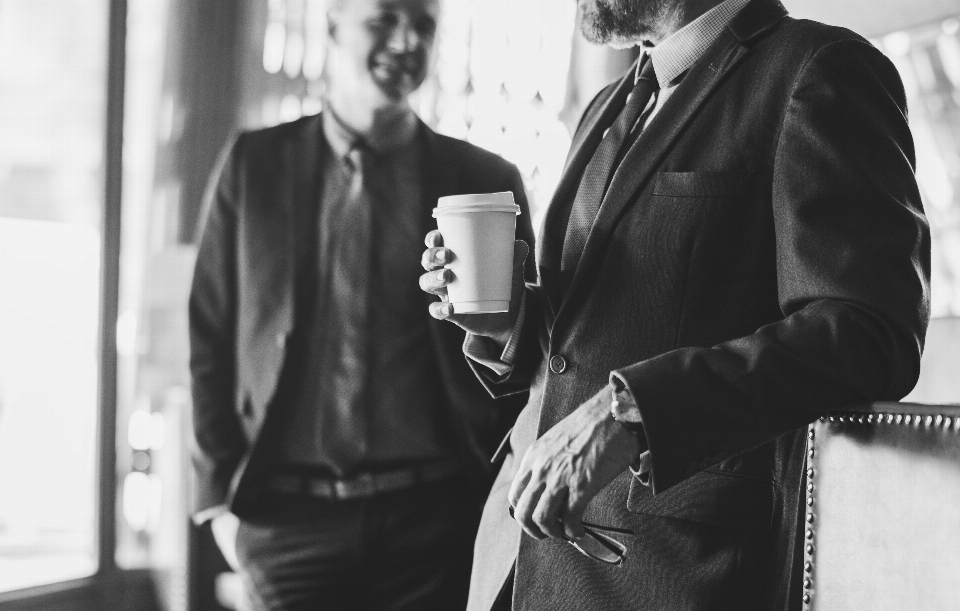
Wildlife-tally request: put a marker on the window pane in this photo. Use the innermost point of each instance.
(52, 104)
(928, 58)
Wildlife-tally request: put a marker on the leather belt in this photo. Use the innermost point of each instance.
(362, 485)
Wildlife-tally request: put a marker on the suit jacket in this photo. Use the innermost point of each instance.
(761, 256)
(241, 303)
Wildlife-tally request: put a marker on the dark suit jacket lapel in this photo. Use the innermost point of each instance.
(309, 148)
(287, 188)
(588, 136)
(291, 184)
(585, 142)
(299, 190)
(307, 183)
(641, 161)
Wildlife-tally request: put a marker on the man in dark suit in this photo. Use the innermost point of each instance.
(357, 472)
(736, 246)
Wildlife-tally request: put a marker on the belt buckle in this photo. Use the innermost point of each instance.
(320, 488)
(359, 487)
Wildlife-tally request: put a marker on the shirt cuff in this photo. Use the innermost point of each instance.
(205, 515)
(509, 355)
(640, 468)
(487, 352)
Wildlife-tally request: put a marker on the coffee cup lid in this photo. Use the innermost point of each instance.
(476, 202)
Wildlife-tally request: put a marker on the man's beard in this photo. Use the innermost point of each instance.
(622, 23)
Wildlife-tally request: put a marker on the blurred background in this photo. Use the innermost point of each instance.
(112, 113)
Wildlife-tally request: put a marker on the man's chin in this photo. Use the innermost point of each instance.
(601, 25)
(600, 36)
(393, 94)
(397, 87)
(589, 29)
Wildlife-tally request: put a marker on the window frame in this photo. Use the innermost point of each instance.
(102, 589)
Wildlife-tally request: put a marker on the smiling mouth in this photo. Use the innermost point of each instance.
(394, 68)
(390, 70)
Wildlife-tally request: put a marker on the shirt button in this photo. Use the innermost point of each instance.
(558, 364)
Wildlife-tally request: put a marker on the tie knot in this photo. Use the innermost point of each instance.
(648, 74)
(358, 157)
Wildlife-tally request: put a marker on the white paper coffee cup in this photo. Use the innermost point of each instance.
(479, 228)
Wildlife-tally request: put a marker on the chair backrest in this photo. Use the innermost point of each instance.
(882, 510)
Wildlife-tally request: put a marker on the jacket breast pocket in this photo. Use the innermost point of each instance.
(702, 185)
(711, 497)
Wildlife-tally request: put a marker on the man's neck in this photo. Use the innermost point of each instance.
(367, 121)
(682, 13)
(383, 129)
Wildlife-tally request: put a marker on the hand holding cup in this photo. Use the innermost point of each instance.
(480, 287)
(496, 325)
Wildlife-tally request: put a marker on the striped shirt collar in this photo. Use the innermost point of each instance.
(681, 50)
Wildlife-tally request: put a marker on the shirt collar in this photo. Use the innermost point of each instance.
(681, 50)
(342, 138)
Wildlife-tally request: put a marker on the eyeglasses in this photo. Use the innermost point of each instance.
(597, 545)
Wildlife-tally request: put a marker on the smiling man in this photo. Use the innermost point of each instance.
(339, 469)
(736, 246)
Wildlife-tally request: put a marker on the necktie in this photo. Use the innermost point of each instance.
(345, 429)
(596, 176)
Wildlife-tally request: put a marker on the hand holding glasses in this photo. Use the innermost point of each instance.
(597, 545)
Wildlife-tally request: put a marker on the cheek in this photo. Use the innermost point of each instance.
(358, 46)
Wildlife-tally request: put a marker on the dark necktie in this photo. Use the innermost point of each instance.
(596, 176)
(348, 411)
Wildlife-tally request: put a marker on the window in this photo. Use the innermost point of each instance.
(500, 83)
(928, 59)
(53, 64)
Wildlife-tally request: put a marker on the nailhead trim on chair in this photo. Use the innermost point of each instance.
(809, 547)
(938, 421)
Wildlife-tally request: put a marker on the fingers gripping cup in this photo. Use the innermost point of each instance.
(479, 228)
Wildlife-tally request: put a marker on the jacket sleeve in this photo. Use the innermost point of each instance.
(516, 376)
(853, 270)
(218, 435)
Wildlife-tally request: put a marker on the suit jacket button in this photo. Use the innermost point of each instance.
(558, 364)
